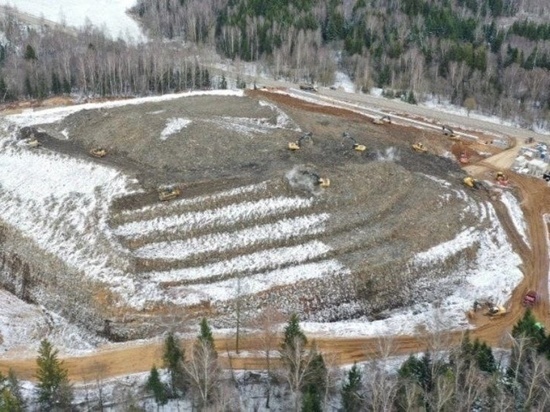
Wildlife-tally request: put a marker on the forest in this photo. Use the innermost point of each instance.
(495, 54)
(298, 377)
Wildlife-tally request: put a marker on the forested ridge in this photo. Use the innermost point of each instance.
(494, 51)
(495, 54)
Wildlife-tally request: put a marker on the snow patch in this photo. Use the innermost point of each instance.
(174, 125)
(516, 214)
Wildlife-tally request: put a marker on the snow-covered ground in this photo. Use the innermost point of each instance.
(516, 214)
(108, 15)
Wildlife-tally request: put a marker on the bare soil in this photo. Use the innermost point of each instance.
(383, 211)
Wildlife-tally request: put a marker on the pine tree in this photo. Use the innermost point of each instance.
(156, 387)
(206, 334)
(173, 359)
(311, 401)
(53, 388)
(352, 400)
(527, 327)
(10, 394)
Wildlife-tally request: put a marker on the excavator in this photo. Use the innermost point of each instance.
(297, 145)
(496, 311)
(382, 120)
(356, 146)
(469, 181)
(419, 147)
(501, 179)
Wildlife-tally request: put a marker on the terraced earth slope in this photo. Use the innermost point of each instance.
(252, 229)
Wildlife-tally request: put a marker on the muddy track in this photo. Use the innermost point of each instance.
(117, 360)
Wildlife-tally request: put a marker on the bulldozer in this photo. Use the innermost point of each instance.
(169, 193)
(297, 145)
(501, 179)
(419, 147)
(98, 152)
(382, 120)
(496, 311)
(356, 146)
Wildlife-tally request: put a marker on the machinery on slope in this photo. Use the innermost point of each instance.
(470, 182)
(501, 179)
(496, 311)
(419, 147)
(308, 87)
(297, 145)
(32, 143)
(464, 158)
(321, 181)
(98, 152)
(169, 193)
(382, 120)
(356, 146)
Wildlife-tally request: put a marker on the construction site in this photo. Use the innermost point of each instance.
(209, 206)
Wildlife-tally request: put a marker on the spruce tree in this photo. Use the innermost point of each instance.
(156, 387)
(223, 83)
(53, 388)
(10, 394)
(206, 334)
(30, 54)
(173, 358)
(352, 400)
(293, 332)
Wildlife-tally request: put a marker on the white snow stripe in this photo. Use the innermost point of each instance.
(228, 289)
(174, 205)
(438, 253)
(516, 214)
(283, 229)
(254, 262)
(234, 213)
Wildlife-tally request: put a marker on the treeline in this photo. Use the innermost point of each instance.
(299, 377)
(454, 49)
(41, 62)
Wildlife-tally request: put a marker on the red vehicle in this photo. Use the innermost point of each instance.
(530, 299)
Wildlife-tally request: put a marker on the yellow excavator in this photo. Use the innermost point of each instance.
(98, 152)
(356, 146)
(469, 181)
(297, 145)
(496, 311)
(419, 147)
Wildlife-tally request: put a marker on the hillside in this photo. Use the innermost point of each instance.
(394, 231)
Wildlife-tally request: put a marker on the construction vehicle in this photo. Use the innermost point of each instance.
(308, 87)
(447, 131)
(530, 299)
(320, 181)
(98, 152)
(169, 193)
(546, 176)
(469, 181)
(32, 142)
(495, 311)
(419, 147)
(382, 120)
(464, 158)
(501, 179)
(356, 146)
(297, 145)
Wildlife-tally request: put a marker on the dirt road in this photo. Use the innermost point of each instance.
(119, 360)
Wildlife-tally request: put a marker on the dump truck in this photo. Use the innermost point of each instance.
(382, 120)
(530, 299)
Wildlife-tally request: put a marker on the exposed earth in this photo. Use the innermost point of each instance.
(384, 206)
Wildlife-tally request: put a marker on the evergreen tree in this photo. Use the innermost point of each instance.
(352, 400)
(10, 394)
(311, 401)
(527, 327)
(30, 54)
(223, 82)
(53, 388)
(173, 358)
(293, 332)
(206, 334)
(66, 86)
(56, 84)
(156, 387)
